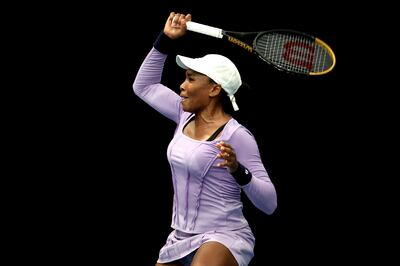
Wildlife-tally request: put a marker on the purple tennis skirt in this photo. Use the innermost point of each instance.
(182, 246)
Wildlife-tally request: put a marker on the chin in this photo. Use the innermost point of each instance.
(186, 108)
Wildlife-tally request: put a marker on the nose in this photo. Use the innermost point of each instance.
(182, 87)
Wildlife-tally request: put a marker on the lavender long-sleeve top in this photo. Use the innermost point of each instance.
(206, 197)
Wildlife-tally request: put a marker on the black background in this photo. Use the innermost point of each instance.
(105, 193)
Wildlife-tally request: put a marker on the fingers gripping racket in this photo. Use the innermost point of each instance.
(287, 50)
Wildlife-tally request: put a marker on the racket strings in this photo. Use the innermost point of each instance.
(293, 52)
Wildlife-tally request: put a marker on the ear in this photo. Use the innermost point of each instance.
(215, 90)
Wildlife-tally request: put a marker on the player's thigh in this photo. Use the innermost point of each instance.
(169, 264)
(213, 254)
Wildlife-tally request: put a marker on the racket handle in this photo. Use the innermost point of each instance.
(204, 29)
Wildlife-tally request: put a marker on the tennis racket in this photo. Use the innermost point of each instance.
(287, 50)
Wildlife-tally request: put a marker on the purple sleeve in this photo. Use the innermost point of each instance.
(260, 190)
(147, 86)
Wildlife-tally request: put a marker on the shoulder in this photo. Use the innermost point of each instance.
(243, 141)
(238, 131)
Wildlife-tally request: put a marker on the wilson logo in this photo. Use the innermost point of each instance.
(299, 53)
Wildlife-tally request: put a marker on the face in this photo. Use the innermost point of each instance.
(197, 91)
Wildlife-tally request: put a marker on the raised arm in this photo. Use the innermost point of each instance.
(147, 84)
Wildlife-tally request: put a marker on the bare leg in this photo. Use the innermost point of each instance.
(213, 254)
(169, 264)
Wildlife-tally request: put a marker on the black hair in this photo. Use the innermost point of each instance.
(240, 97)
(225, 100)
(226, 103)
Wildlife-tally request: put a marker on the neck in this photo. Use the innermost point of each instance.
(211, 116)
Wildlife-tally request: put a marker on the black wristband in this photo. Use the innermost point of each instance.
(242, 175)
(164, 44)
